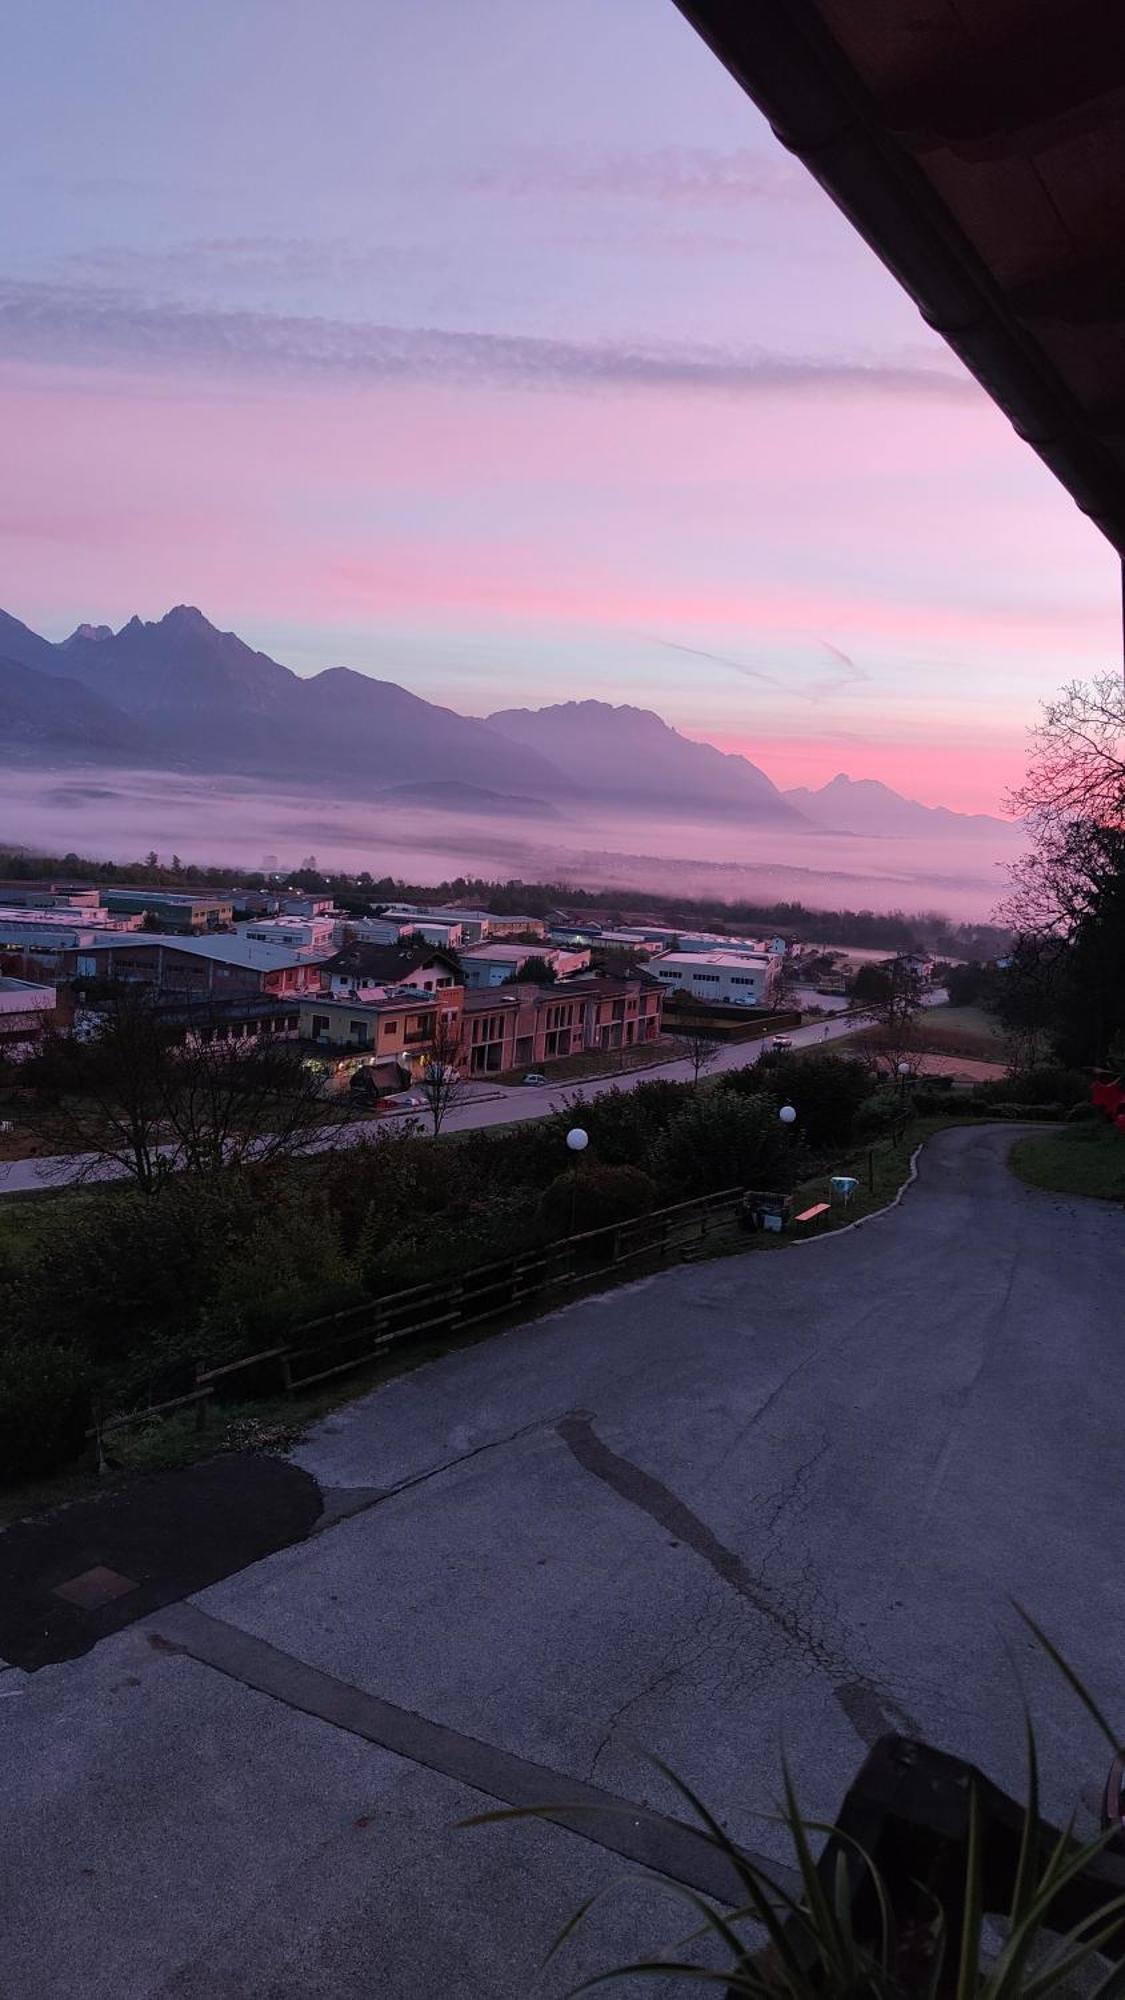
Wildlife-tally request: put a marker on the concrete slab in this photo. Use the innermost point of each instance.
(170, 1832)
(892, 1430)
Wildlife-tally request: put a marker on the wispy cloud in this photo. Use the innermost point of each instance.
(696, 176)
(721, 660)
(232, 260)
(91, 324)
(848, 673)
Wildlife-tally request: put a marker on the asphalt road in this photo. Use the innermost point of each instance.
(786, 1497)
(484, 1105)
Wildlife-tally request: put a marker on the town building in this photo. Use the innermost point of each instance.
(192, 968)
(361, 969)
(519, 1028)
(492, 964)
(529, 1027)
(43, 937)
(448, 931)
(172, 911)
(507, 926)
(26, 1008)
(401, 921)
(398, 1026)
(476, 926)
(303, 935)
(729, 978)
(292, 904)
(49, 896)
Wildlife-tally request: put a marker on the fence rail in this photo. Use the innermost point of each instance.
(339, 1343)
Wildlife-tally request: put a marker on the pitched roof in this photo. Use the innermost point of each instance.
(224, 947)
(385, 964)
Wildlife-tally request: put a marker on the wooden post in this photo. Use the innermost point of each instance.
(286, 1374)
(871, 1170)
(201, 1404)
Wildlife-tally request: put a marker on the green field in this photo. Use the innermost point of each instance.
(1085, 1159)
(967, 1032)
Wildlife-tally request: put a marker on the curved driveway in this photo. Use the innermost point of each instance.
(779, 1494)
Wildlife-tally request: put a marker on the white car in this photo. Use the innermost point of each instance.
(534, 1076)
(407, 1100)
(779, 1043)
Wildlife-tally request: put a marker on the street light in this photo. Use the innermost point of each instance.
(577, 1139)
(787, 1115)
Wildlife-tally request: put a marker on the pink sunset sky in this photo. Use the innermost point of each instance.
(499, 350)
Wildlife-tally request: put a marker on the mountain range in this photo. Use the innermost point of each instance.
(180, 695)
(864, 805)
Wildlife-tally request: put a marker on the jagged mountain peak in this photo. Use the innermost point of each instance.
(92, 634)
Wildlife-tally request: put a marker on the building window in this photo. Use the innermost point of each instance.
(319, 1025)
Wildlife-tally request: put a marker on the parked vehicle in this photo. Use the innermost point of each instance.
(405, 1100)
(779, 1043)
(534, 1076)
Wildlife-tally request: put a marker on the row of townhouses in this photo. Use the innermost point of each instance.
(375, 990)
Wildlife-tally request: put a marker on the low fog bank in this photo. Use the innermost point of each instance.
(251, 825)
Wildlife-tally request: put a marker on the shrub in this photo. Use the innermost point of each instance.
(1047, 1085)
(623, 1124)
(393, 1253)
(827, 1091)
(724, 1140)
(44, 1407)
(594, 1196)
(877, 1114)
(1082, 1113)
(290, 1267)
(105, 1273)
(932, 1103)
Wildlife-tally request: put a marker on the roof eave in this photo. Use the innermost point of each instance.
(780, 54)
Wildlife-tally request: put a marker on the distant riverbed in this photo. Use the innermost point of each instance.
(121, 815)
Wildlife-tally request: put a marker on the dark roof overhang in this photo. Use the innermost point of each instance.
(980, 150)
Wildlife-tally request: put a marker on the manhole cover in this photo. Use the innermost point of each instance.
(94, 1588)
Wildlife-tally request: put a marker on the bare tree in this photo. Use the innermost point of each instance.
(892, 1013)
(700, 1047)
(1076, 771)
(1063, 987)
(442, 1084)
(153, 1092)
(99, 1100)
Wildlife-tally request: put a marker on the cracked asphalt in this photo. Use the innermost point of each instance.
(763, 1503)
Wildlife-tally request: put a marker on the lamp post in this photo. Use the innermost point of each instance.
(577, 1141)
(787, 1118)
(903, 1073)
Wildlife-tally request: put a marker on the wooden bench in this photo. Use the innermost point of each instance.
(810, 1214)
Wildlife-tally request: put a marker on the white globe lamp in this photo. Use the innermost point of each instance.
(577, 1139)
(787, 1115)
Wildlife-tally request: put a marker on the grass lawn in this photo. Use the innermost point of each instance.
(604, 1063)
(967, 1032)
(963, 1031)
(1082, 1159)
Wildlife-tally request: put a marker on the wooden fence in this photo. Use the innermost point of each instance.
(339, 1343)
